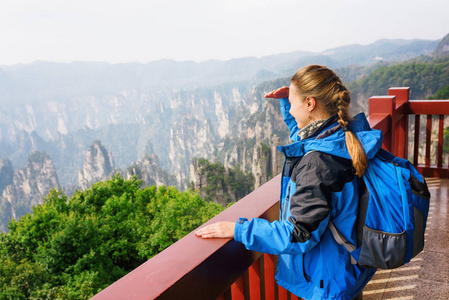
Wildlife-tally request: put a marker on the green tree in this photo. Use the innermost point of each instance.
(73, 248)
(442, 93)
(223, 185)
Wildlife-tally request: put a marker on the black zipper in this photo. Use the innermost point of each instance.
(304, 268)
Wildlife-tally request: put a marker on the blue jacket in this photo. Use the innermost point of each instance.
(315, 188)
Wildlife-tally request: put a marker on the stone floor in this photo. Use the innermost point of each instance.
(427, 275)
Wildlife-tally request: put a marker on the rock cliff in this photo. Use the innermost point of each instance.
(98, 165)
(6, 174)
(28, 186)
(442, 48)
(257, 132)
(149, 171)
(256, 129)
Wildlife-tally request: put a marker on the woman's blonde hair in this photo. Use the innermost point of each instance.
(325, 86)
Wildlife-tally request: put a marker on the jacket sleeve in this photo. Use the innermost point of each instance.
(316, 176)
(289, 119)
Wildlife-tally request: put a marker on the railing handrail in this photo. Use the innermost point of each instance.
(428, 107)
(197, 268)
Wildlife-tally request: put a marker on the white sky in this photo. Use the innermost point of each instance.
(146, 30)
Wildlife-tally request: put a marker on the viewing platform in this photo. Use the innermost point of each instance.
(194, 268)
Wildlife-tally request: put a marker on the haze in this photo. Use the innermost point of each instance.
(141, 31)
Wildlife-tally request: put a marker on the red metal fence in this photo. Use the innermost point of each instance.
(194, 268)
(393, 113)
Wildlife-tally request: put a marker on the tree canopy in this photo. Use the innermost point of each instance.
(71, 248)
(441, 94)
(423, 77)
(224, 185)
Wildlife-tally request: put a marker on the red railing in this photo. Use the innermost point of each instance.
(392, 115)
(194, 268)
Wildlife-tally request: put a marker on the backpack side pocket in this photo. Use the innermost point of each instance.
(382, 250)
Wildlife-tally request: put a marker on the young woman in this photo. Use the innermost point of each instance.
(316, 187)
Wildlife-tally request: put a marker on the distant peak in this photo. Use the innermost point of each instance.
(442, 48)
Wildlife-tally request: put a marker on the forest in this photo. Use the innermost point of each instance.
(71, 248)
(425, 78)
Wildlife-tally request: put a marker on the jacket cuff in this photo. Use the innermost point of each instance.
(238, 229)
(284, 101)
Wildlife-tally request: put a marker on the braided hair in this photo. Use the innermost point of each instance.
(325, 86)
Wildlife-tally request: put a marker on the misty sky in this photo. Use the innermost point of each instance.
(146, 30)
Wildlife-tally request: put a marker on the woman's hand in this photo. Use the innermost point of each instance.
(217, 230)
(278, 93)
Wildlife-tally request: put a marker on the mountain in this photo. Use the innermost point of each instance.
(382, 50)
(155, 118)
(442, 48)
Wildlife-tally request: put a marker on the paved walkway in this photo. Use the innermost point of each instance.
(427, 275)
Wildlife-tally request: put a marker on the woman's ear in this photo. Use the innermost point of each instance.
(311, 103)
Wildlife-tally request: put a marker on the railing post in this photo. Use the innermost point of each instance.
(269, 269)
(400, 125)
(238, 289)
(428, 139)
(254, 280)
(416, 141)
(382, 111)
(282, 293)
(440, 141)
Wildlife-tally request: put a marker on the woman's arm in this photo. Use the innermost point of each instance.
(257, 234)
(282, 94)
(316, 177)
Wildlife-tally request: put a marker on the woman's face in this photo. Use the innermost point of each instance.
(299, 107)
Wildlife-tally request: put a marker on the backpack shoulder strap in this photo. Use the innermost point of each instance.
(340, 239)
(360, 222)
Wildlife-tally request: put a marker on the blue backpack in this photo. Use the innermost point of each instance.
(393, 209)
